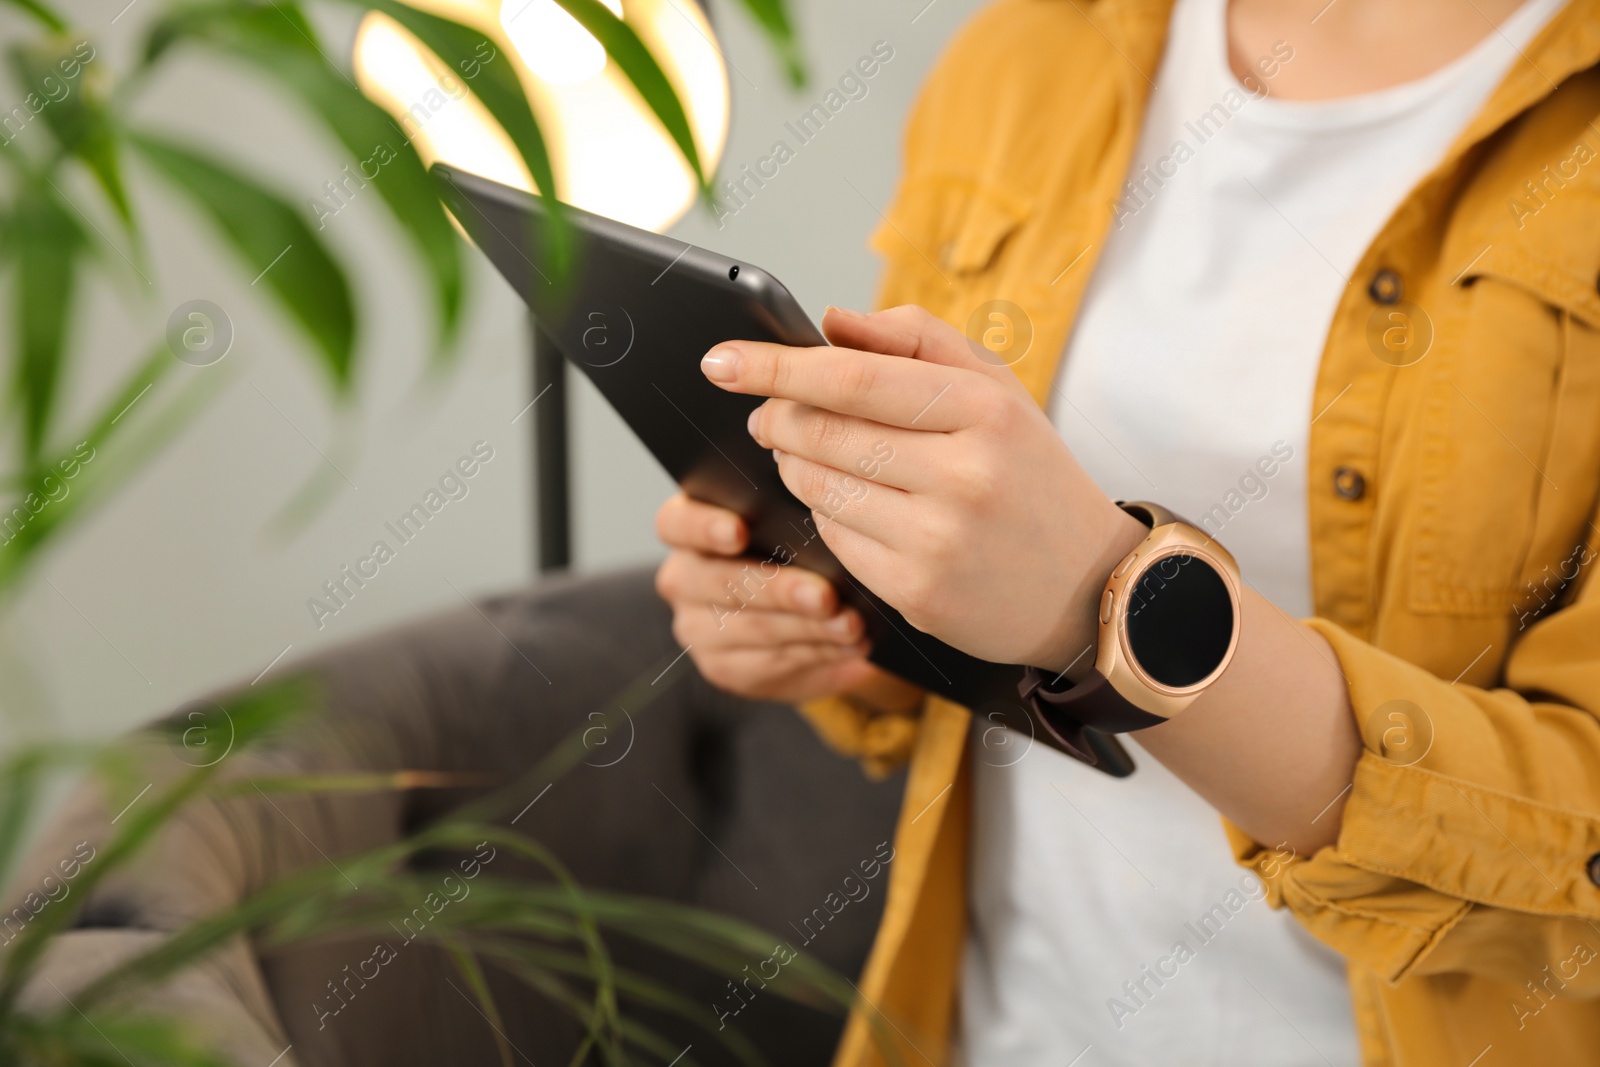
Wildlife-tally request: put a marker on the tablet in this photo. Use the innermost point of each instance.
(634, 312)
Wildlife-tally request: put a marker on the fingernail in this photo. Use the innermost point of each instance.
(726, 531)
(846, 312)
(809, 596)
(842, 624)
(720, 364)
(750, 423)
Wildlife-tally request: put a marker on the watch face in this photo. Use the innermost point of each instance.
(1179, 620)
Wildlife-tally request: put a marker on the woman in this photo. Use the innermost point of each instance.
(1324, 274)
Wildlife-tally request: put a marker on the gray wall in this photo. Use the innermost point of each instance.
(178, 586)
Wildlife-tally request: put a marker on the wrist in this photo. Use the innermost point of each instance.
(1072, 650)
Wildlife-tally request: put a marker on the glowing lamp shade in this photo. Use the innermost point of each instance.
(551, 42)
(610, 154)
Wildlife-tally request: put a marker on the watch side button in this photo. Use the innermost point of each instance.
(1106, 603)
(1122, 568)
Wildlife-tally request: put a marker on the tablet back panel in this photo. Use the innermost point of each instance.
(635, 313)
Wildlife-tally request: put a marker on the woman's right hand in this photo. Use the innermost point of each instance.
(754, 628)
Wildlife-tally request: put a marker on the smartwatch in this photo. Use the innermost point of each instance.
(1169, 626)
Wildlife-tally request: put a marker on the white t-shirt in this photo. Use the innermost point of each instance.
(1107, 918)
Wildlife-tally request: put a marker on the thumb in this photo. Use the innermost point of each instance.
(914, 333)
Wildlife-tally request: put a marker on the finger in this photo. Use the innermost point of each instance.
(884, 454)
(685, 523)
(712, 624)
(886, 389)
(830, 679)
(692, 578)
(868, 559)
(834, 496)
(912, 332)
(800, 673)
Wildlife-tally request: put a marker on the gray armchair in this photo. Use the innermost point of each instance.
(723, 803)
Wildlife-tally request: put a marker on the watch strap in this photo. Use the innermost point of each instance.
(1065, 708)
(1152, 515)
(1057, 727)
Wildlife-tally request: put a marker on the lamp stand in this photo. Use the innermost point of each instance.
(551, 456)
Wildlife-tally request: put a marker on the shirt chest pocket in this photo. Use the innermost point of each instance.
(945, 242)
(1510, 437)
(966, 251)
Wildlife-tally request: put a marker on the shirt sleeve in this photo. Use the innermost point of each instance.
(1477, 856)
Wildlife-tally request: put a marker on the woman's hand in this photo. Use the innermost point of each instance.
(937, 481)
(752, 627)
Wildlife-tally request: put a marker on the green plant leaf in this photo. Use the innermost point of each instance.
(249, 717)
(397, 172)
(42, 13)
(773, 18)
(630, 985)
(323, 900)
(19, 796)
(629, 53)
(277, 245)
(472, 972)
(279, 42)
(547, 982)
(102, 471)
(21, 533)
(21, 787)
(75, 114)
(106, 1040)
(45, 241)
(282, 24)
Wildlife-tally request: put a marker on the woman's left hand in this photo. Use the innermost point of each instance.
(938, 482)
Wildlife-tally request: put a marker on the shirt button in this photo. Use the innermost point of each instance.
(1594, 868)
(1349, 483)
(1385, 287)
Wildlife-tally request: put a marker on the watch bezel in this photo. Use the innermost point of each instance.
(1115, 659)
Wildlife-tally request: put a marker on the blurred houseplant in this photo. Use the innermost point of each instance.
(71, 120)
(546, 935)
(72, 114)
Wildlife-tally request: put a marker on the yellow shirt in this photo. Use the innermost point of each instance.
(1453, 528)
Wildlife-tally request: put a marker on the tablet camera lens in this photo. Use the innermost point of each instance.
(733, 273)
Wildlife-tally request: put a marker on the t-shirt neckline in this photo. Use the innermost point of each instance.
(1344, 112)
